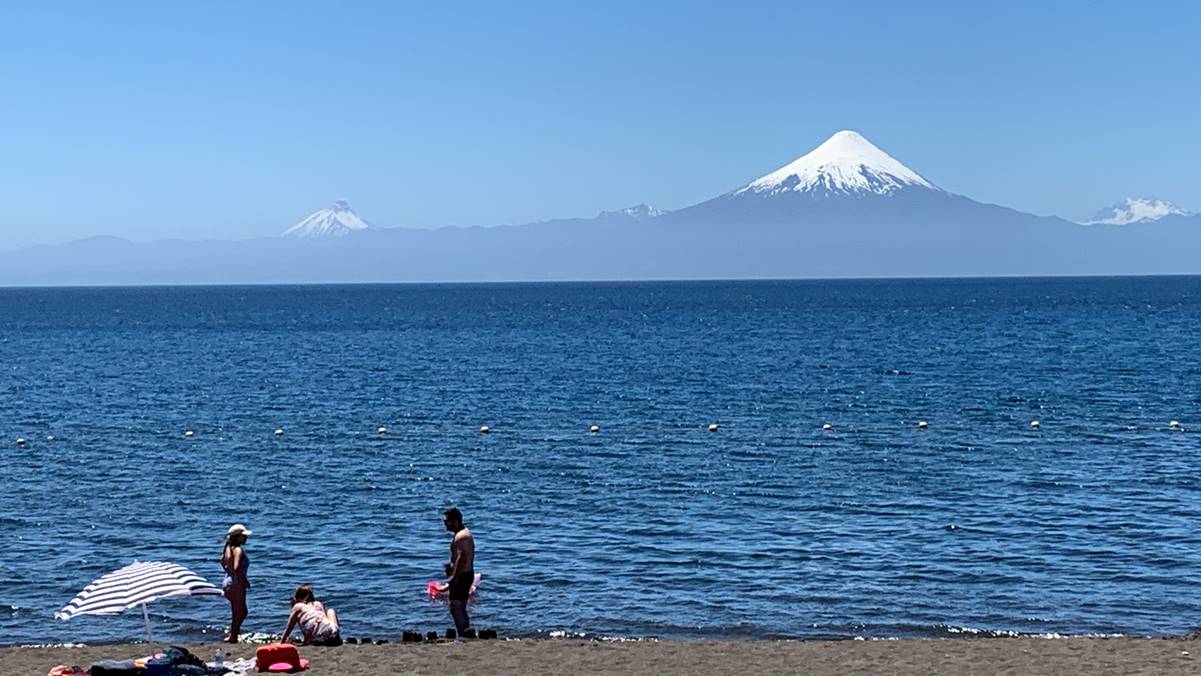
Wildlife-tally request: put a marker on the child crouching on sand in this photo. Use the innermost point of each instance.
(318, 626)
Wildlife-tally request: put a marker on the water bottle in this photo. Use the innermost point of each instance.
(219, 659)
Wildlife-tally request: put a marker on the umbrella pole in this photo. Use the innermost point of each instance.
(146, 619)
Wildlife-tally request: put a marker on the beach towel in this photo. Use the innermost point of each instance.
(239, 667)
(177, 670)
(115, 668)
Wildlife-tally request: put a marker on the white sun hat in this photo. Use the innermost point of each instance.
(237, 529)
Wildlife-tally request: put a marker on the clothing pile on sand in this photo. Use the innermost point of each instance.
(176, 661)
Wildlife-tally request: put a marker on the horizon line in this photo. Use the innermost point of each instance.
(598, 282)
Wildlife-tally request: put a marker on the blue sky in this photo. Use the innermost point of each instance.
(221, 119)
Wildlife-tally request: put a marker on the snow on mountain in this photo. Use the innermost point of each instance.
(847, 163)
(636, 211)
(1136, 210)
(336, 221)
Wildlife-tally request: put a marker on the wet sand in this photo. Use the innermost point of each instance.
(568, 656)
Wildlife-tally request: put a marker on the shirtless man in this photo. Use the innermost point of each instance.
(460, 568)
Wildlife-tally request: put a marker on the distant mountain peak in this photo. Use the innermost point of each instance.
(334, 221)
(846, 163)
(1136, 210)
(636, 211)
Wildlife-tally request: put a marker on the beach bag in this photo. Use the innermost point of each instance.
(279, 658)
(174, 661)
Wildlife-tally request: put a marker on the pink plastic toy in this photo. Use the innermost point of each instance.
(437, 589)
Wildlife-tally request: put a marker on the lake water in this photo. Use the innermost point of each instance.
(654, 526)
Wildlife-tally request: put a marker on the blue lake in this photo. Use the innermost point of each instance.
(653, 526)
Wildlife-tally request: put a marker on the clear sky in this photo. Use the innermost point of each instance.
(154, 120)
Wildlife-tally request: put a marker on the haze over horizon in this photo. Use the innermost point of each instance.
(152, 122)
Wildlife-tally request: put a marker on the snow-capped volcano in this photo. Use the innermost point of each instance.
(845, 185)
(1136, 210)
(636, 211)
(336, 221)
(845, 164)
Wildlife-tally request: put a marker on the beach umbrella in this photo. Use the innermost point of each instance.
(137, 584)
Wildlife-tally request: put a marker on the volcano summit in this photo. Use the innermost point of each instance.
(845, 164)
(336, 221)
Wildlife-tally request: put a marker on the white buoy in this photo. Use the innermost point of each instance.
(827, 426)
(921, 424)
(382, 430)
(50, 438)
(712, 427)
(484, 430)
(279, 432)
(594, 429)
(189, 433)
(20, 441)
(1034, 424)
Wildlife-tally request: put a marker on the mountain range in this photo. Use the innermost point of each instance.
(845, 209)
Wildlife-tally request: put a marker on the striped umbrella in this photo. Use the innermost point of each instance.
(136, 585)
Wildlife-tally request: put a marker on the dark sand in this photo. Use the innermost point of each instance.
(833, 658)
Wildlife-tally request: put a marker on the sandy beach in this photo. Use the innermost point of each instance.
(835, 658)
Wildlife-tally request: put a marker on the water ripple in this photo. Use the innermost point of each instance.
(771, 526)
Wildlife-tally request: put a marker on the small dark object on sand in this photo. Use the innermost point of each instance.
(352, 641)
(487, 634)
(366, 640)
(469, 633)
(410, 637)
(431, 636)
(450, 633)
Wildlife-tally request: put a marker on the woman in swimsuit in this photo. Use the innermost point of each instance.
(235, 563)
(318, 626)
